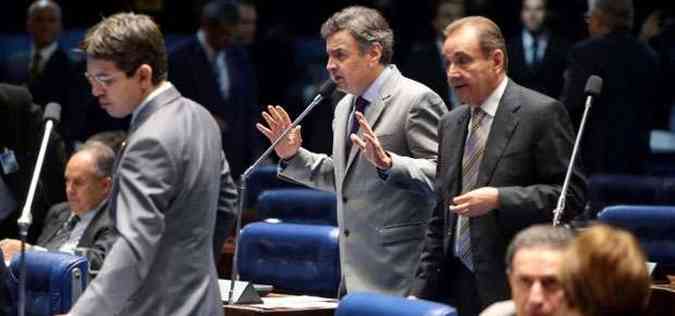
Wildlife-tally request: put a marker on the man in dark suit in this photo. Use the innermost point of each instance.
(46, 69)
(211, 71)
(616, 139)
(170, 180)
(20, 136)
(502, 161)
(537, 55)
(83, 221)
(426, 63)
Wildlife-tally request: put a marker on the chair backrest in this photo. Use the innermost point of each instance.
(654, 226)
(261, 179)
(294, 258)
(371, 304)
(54, 281)
(608, 190)
(302, 206)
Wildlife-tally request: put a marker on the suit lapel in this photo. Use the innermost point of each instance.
(503, 126)
(340, 139)
(60, 220)
(92, 227)
(374, 110)
(453, 147)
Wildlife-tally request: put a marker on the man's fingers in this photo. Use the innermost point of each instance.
(265, 131)
(363, 123)
(284, 115)
(461, 199)
(460, 208)
(358, 141)
(269, 120)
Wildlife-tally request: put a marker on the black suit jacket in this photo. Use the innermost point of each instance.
(526, 156)
(192, 74)
(98, 237)
(616, 139)
(54, 84)
(21, 130)
(425, 64)
(547, 77)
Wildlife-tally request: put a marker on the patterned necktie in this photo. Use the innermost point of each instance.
(473, 154)
(359, 106)
(35, 67)
(63, 234)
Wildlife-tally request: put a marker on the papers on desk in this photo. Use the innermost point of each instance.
(296, 302)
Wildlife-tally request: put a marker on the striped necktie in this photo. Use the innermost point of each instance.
(473, 154)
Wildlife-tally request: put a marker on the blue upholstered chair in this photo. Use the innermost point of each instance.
(371, 304)
(294, 258)
(54, 281)
(608, 190)
(654, 226)
(264, 178)
(302, 206)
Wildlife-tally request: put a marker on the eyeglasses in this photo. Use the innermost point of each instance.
(103, 81)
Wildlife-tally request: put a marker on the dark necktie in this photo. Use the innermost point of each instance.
(35, 67)
(473, 155)
(535, 52)
(359, 106)
(63, 234)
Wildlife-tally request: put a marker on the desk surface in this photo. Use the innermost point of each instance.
(298, 306)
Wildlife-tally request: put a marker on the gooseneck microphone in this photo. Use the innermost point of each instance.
(52, 116)
(325, 91)
(593, 88)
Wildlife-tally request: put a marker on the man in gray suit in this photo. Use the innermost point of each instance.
(383, 176)
(502, 161)
(166, 184)
(82, 222)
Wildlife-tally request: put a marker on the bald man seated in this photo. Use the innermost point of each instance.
(82, 222)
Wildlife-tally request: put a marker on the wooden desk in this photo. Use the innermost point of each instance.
(254, 310)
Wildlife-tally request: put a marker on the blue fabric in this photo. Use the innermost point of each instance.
(49, 285)
(606, 190)
(261, 179)
(371, 304)
(302, 206)
(294, 258)
(654, 226)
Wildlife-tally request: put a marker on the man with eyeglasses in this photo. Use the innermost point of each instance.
(166, 186)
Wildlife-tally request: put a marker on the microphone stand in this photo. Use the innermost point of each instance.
(560, 208)
(26, 218)
(243, 189)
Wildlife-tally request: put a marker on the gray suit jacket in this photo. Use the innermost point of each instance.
(164, 202)
(526, 157)
(98, 237)
(382, 222)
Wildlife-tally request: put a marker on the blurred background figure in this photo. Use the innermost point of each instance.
(616, 139)
(537, 55)
(604, 273)
(426, 63)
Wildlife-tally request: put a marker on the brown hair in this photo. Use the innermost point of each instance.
(604, 273)
(489, 35)
(128, 40)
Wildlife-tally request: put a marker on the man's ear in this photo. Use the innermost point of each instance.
(499, 59)
(375, 53)
(145, 74)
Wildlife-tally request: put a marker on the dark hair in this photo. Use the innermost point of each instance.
(220, 12)
(128, 40)
(541, 235)
(112, 139)
(366, 25)
(489, 35)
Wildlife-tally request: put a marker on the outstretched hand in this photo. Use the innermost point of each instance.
(277, 120)
(370, 145)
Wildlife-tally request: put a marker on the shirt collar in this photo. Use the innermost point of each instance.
(491, 104)
(89, 214)
(165, 85)
(373, 90)
(46, 52)
(210, 52)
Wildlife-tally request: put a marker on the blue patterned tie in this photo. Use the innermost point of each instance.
(473, 154)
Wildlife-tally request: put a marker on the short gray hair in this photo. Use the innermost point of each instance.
(104, 157)
(538, 236)
(619, 14)
(366, 25)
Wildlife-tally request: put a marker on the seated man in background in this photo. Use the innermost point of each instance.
(82, 222)
(532, 265)
(603, 272)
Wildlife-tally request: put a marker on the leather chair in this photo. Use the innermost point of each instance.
(608, 190)
(54, 281)
(301, 206)
(294, 258)
(654, 226)
(371, 304)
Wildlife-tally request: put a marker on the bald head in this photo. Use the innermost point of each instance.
(88, 177)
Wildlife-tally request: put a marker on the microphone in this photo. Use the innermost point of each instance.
(52, 113)
(593, 89)
(325, 90)
(51, 116)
